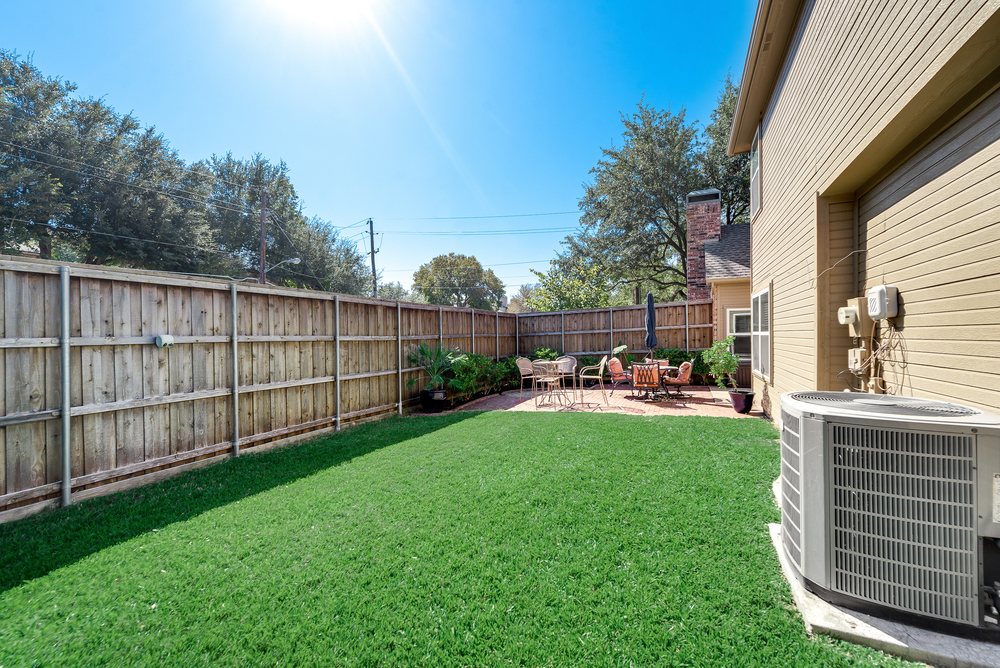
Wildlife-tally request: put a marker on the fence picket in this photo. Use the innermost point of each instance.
(138, 409)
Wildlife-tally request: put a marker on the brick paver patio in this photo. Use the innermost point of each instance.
(703, 400)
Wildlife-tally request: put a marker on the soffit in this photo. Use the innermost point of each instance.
(772, 31)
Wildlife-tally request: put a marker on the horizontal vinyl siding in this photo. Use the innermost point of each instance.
(932, 229)
(849, 68)
(730, 296)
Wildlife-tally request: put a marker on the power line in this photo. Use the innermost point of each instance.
(482, 233)
(508, 215)
(484, 266)
(120, 236)
(85, 164)
(67, 133)
(297, 251)
(124, 183)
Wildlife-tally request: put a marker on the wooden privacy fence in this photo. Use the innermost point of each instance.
(682, 325)
(90, 402)
(90, 399)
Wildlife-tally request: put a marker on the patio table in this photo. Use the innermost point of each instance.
(549, 376)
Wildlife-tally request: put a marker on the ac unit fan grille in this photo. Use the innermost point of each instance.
(884, 404)
(791, 485)
(904, 527)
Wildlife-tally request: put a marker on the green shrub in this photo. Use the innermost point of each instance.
(543, 354)
(677, 356)
(507, 373)
(474, 375)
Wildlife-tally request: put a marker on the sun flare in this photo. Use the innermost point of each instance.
(330, 17)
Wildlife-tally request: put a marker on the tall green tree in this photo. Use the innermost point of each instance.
(633, 222)
(731, 175)
(575, 284)
(395, 291)
(329, 262)
(458, 280)
(74, 172)
(31, 115)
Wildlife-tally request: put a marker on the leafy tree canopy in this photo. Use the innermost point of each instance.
(633, 218)
(397, 293)
(571, 285)
(458, 280)
(731, 175)
(80, 180)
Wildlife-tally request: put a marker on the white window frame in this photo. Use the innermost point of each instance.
(731, 313)
(760, 332)
(755, 174)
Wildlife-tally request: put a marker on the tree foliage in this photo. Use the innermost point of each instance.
(80, 179)
(731, 175)
(397, 293)
(633, 220)
(458, 280)
(573, 285)
(519, 302)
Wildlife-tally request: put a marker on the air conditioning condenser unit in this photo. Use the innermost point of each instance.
(891, 505)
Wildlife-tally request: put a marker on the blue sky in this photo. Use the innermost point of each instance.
(403, 110)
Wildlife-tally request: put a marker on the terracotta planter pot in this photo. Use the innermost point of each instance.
(433, 401)
(742, 400)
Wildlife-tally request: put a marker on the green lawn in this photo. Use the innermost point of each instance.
(475, 539)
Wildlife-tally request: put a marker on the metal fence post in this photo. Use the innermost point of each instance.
(336, 353)
(67, 482)
(687, 331)
(399, 355)
(236, 372)
(562, 333)
(611, 328)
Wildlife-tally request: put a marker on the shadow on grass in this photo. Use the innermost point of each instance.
(36, 545)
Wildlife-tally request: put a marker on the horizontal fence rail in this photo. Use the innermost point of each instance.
(91, 405)
(681, 325)
(250, 365)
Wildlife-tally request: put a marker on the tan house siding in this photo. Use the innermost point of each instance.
(729, 295)
(932, 229)
(849, 68)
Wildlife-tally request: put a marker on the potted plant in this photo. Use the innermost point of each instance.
(437, 362)
(722, 363)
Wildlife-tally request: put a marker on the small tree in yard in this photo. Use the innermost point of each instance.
(722, 362)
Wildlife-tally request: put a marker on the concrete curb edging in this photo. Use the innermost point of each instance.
(908, 642)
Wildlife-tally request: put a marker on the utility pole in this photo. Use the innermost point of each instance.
(371, 237)
(263, 235)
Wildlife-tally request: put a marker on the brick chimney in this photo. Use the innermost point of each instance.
(704, 223)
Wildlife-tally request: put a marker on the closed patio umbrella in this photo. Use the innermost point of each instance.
(650, 324)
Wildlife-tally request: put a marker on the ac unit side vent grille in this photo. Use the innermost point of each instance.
(791, 484)
(903, 514)
(883, 404)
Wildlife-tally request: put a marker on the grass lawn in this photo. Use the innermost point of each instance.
(475, 539)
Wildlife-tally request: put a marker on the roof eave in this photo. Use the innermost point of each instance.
(775, 19)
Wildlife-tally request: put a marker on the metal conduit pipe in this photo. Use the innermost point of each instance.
(67, 482)
(236, 372)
